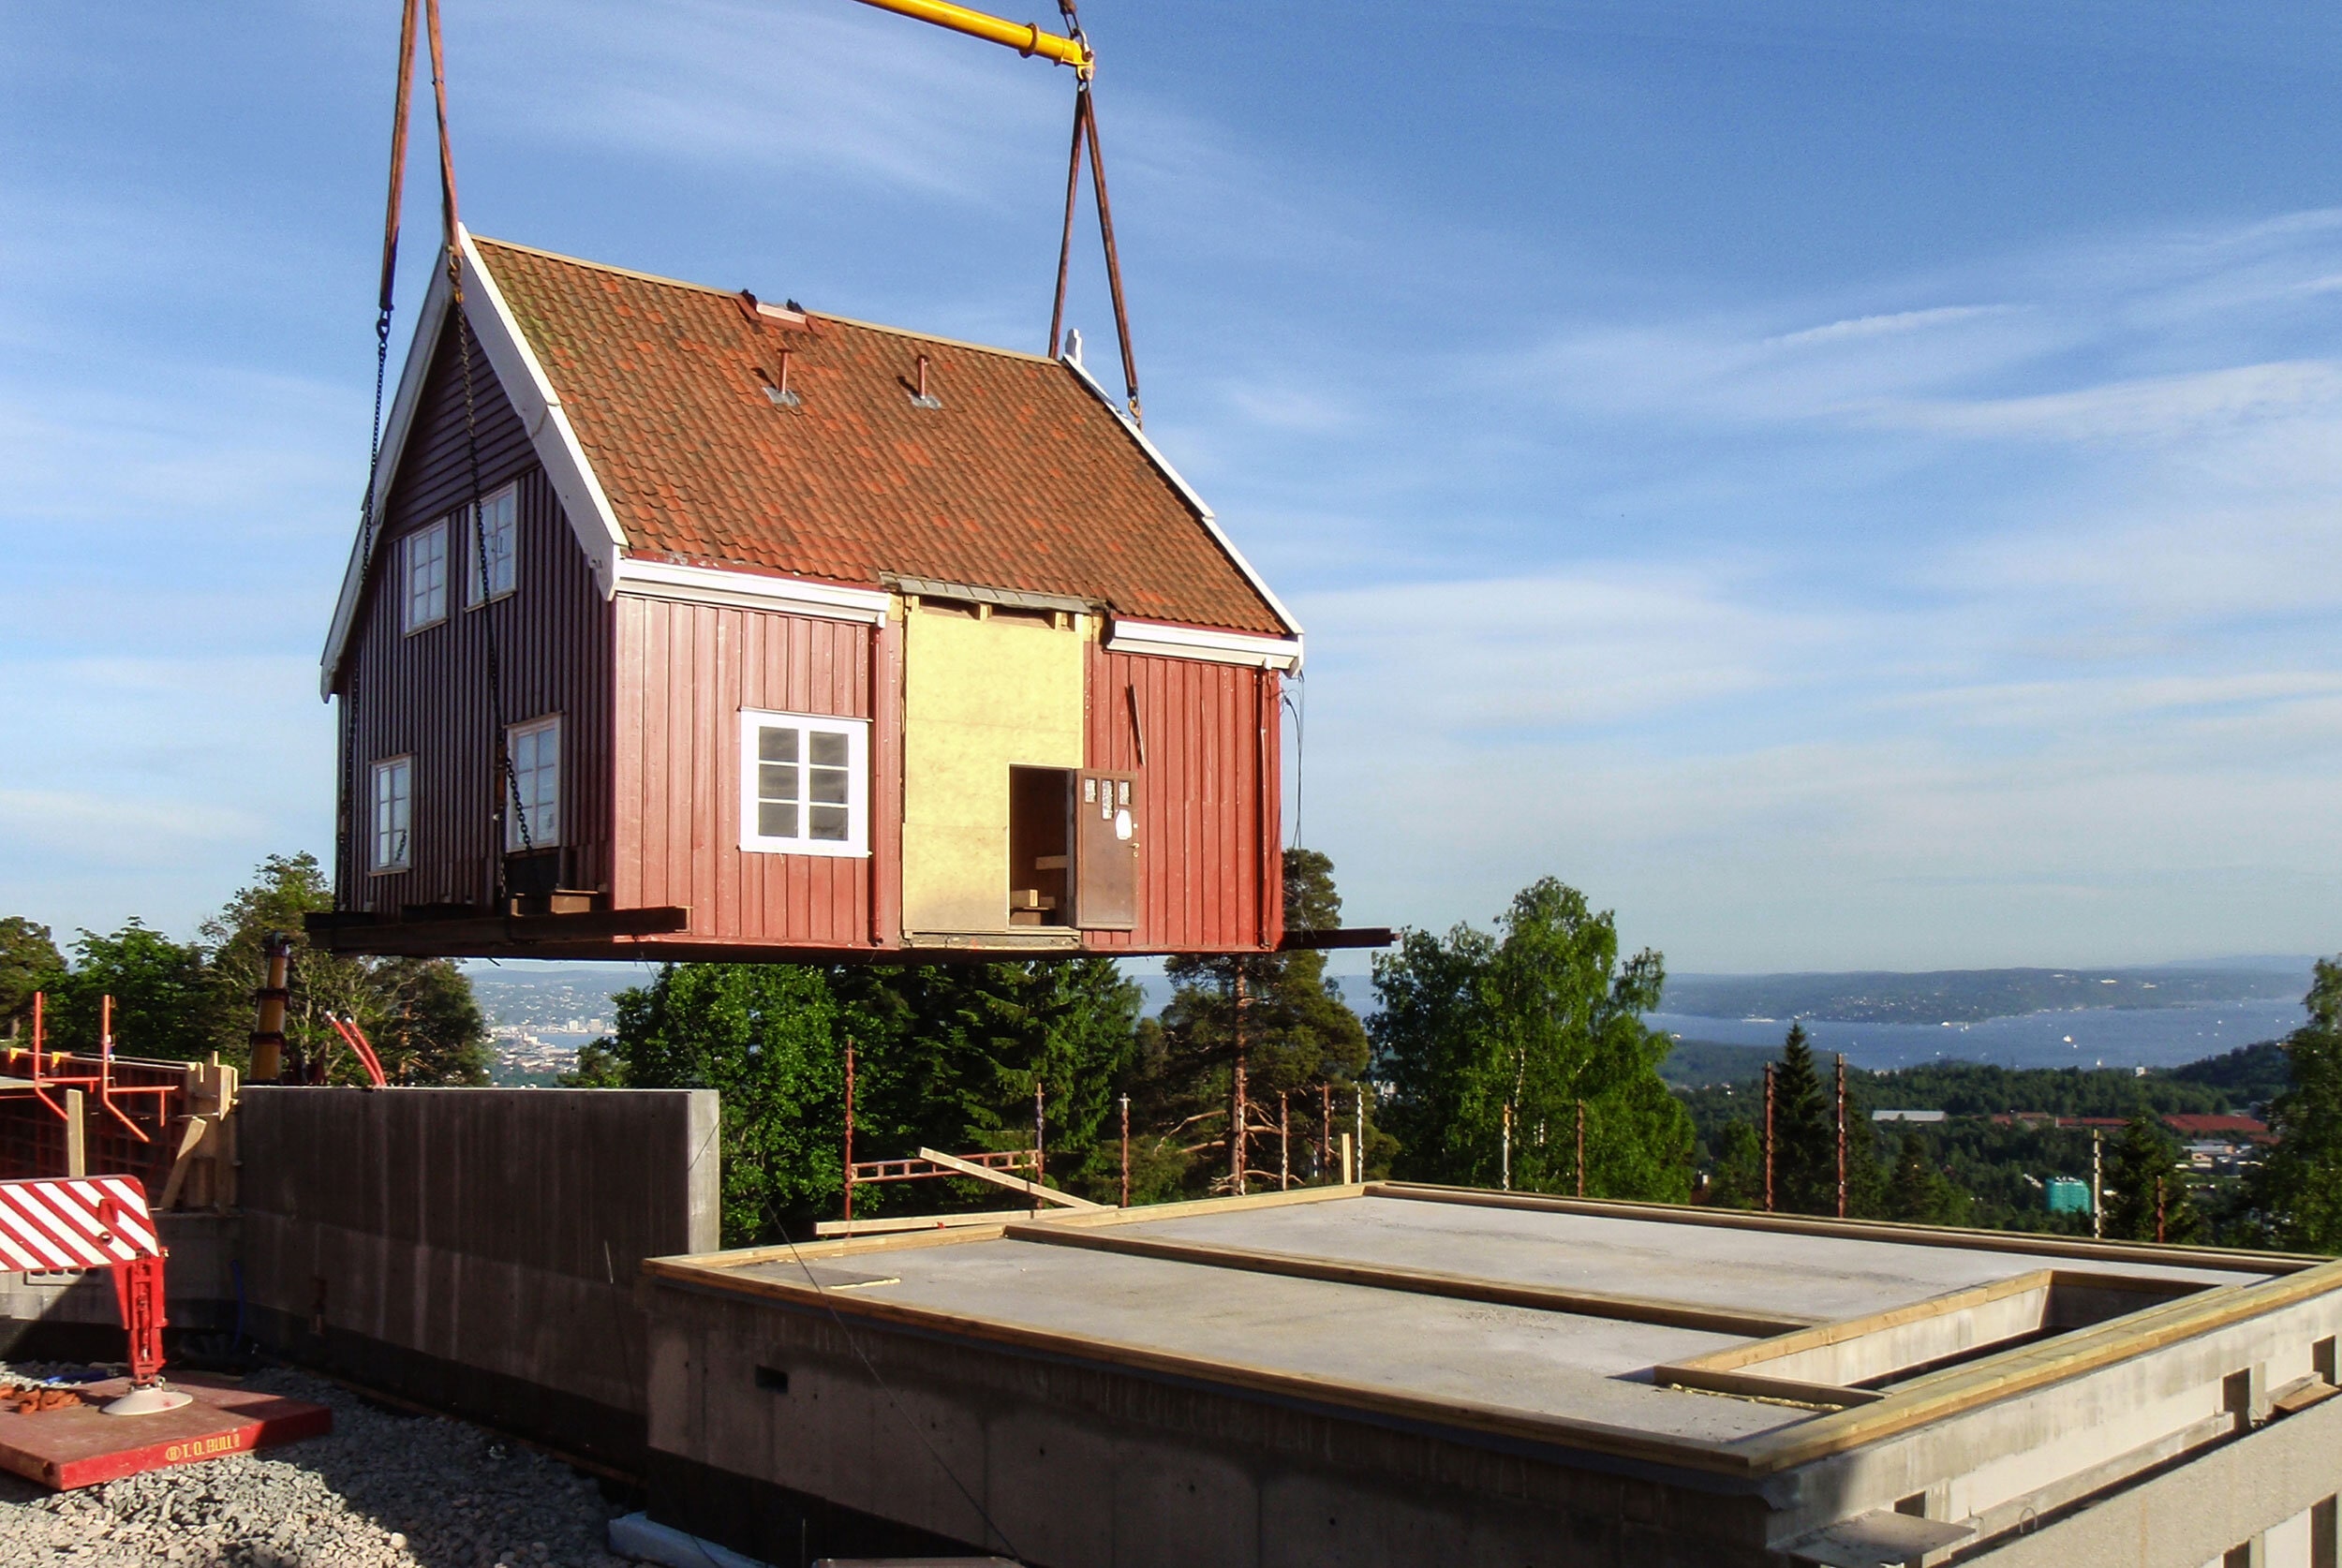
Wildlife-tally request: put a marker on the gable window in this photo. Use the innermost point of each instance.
(492, 543)
(394, 813)
(426, 576)
(533, 796)
(804, 784)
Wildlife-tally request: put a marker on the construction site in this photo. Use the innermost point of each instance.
(682, 625)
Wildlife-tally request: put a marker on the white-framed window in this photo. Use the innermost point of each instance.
(492, 544)
(425, 576)
(804, 784)
(394, 814)
(533, 796)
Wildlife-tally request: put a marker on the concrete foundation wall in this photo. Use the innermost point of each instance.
(475, 1249)
(2259, 1490)
(769, 1429)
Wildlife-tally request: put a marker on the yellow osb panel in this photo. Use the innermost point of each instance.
(979, 697)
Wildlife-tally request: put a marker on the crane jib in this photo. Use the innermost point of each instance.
(1026, 38)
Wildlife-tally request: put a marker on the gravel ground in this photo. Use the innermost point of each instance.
(383, 1490)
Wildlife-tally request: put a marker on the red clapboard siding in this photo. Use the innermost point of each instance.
(428, 693)
(1209, 795)
(685, 671)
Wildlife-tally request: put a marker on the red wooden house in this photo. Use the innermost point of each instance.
(691, 625)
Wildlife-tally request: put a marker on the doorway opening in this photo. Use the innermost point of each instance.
(1040, 846)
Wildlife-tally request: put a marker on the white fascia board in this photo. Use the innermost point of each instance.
(750, 590)
(394, 432)
(549, 433)
(1162, 465)
(1189, 642)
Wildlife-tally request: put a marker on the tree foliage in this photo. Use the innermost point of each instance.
(2143, 1175)
(29, 961)
(2299, 1189)
(1539, 1017)
(1297, 1039)
(183, 1000)
(946, 1056)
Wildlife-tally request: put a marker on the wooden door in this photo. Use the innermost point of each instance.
(1105, 853)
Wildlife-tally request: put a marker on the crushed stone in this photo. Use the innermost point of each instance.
(383, 1490)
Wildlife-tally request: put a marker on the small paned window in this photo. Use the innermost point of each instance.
(426, 576)
(492, 545)
(532, 800)
(804, 784)
(394, 814)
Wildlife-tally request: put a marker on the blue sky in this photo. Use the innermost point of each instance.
(1846, 484)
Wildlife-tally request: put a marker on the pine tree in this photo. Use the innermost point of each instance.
(1294, 1035)
(1805, 1132)
(1916, 1192)
(2143, 1175)
(2299, 1187)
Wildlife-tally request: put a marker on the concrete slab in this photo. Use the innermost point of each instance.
(81, 1445)
(1518, 1358)
(1821, 1276)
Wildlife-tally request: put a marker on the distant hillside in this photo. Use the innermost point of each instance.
(1970, 995)
(1704, 1063)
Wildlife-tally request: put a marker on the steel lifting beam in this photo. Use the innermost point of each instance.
(1024, 38)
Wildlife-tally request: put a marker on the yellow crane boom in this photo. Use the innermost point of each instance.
(1024, 38)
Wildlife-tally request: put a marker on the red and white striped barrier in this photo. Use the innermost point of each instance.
(75, 1223)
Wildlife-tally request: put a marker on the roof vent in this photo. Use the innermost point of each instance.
(923, 398)
(779, 390)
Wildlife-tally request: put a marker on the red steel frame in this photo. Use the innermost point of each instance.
(101, 1082)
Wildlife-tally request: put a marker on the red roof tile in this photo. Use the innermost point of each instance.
(1022, 480)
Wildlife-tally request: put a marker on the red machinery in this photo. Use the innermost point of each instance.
(60, 1222)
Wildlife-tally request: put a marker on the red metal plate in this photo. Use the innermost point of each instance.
(79, 1448)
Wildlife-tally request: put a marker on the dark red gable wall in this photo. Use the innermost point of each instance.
(684, 673)
(428, 693)
(1211, 873)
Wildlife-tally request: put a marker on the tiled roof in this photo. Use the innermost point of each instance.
(1022, 480)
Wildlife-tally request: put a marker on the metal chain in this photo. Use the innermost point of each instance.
(509, 776)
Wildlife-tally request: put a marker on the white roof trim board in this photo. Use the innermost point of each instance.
(1189, 642)
(567, 468)
(700, 585)
(1162, 465)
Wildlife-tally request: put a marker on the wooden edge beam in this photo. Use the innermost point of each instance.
(347, 931)
(902, 1223)
(2226, 1260)
(1754, 1385)
(1000, 1179)
(1592, 1304)
(1742, 1357)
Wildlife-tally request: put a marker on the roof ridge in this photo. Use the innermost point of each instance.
(733, 294)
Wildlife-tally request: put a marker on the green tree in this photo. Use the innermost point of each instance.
(2298, 1186)
(1275, 1016)
(1805, 1132)
(1540, 1018)
(1919, 1193)
(29, 962)
(418, 1013)
(158, 986)
(2143, 1177)
(953, 1054)
(764, 1037)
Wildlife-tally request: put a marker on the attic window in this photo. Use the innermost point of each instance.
(804, 784)
(426, 577)
(494, 547)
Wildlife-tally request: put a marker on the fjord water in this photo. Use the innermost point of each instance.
(2083, 1036)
